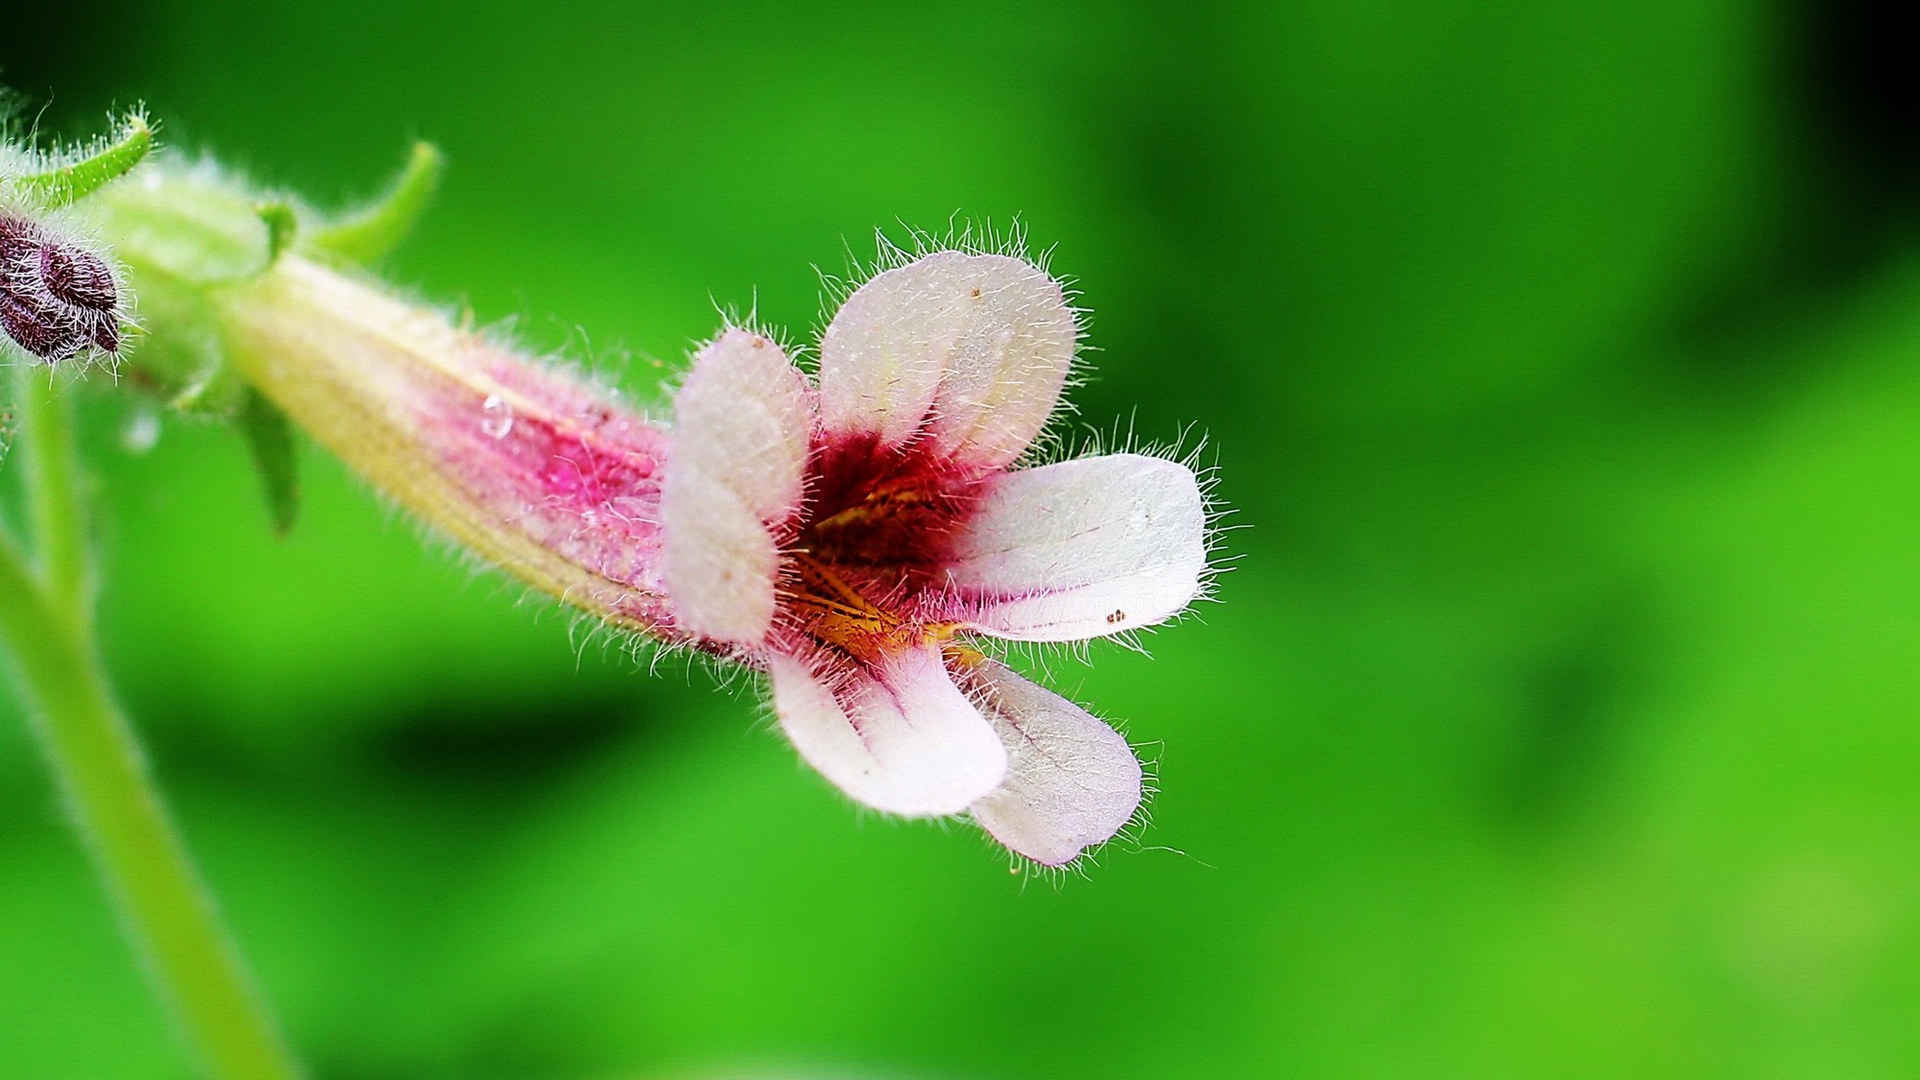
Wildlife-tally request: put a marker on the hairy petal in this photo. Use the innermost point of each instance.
(899, 737)
(744, 416)
(721, 563)
(742, 423)
(1072, 781)
(971, 350)
(1007, 364)
(1081, 549)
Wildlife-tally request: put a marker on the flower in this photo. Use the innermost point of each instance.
(57, 299)
(854, 536)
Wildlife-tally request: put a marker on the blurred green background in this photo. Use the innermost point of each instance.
(1559, 717)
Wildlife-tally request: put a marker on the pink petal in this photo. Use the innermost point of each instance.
(972, 350)
(1082, 548)
(1072, 781)
(744, 416)
(900, 738)
(743, 421)
(721, 562)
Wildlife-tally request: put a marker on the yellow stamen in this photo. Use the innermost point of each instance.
(847, 619)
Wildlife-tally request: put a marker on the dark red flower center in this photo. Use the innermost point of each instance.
(877, 528)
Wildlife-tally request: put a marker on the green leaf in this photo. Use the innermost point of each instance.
(111, 159)
(269, 436)
(378, 230)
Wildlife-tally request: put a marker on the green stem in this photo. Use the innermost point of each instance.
(45, 628)
(53, 491)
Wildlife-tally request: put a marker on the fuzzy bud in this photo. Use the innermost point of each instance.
(57, 299)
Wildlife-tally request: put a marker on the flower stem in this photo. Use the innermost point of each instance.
(46, 629)
(53, 491)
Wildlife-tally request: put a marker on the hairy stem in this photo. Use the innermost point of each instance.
(46, 629)
(53, 492)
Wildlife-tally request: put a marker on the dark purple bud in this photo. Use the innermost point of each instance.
(17, 239)
(106, 332)
(19, 252)
(39, 327)
(78, 277)
(56, 299)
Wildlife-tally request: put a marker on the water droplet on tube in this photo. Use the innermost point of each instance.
(496, 417)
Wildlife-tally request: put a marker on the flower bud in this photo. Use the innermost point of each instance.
(57, 299)
(77, 277)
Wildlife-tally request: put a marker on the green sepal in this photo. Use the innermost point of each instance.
(66, 184)
(175, 355)
(191, 227)
(269, 436)
(377, 230)
(282, 223)
(196, 233)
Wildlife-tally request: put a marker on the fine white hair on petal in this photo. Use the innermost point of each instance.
(1072, 782)
(899, 737)
(744, 415)
(971, 349)
(1082, 549)
(743, 421)
(720, 561)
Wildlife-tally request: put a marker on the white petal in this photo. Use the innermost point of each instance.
(744, 416)
(742, 425)
(901, 738)
(1082, 548)
(1005, 368)
(720, 560)
(1072, 781)
(972, 349)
